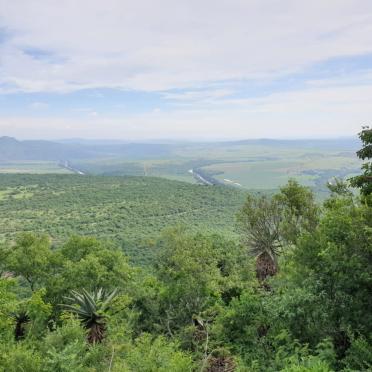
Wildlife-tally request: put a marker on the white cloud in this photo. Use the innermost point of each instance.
(195, 53)
(199, 96)
(165, 44)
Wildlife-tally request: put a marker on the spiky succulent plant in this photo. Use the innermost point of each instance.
(91, 309)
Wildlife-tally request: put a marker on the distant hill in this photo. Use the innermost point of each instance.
(347, 143)
(13, 150)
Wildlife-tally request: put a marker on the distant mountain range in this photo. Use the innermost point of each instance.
(12, 149)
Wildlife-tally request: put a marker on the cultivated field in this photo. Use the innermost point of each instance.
(32, 167)
(250, 166)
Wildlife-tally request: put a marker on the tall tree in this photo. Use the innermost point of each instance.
(364, 181)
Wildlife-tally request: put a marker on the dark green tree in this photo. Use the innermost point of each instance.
(364, 181)
(330, 279)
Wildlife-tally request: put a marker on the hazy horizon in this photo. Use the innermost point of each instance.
(179, 140)
(185, 71)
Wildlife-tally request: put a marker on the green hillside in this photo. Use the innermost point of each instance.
(131, 211)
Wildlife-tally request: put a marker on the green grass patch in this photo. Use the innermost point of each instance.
(32, 167)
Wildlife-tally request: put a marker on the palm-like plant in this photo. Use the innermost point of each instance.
(21, 319)
(91, 310)
(260, 221)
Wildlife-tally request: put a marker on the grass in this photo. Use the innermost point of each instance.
(32, 167)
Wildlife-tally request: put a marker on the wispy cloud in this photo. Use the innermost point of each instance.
(198, 96)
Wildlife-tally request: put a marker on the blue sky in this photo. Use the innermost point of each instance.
(188, 70)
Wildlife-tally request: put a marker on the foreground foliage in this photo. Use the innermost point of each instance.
(364, 181)
(202, 305)
(207, 303)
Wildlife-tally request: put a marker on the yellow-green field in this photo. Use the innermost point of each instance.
(32, 167)
(270, 174)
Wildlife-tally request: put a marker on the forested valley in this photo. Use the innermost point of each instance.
(262, 282)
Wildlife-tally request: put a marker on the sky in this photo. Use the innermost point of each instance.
(185, 69)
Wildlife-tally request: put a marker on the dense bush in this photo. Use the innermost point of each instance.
(128, 211)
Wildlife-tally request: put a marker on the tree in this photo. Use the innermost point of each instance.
(188, 267)
(30, 258)
(339, 187)
(85, 262)
(91, 310)
(333, 266)
(364, 181)
(300, 212)
(259, 221)
(269, 224)
(8, 306)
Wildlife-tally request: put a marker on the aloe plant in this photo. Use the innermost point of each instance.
(91, 309)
